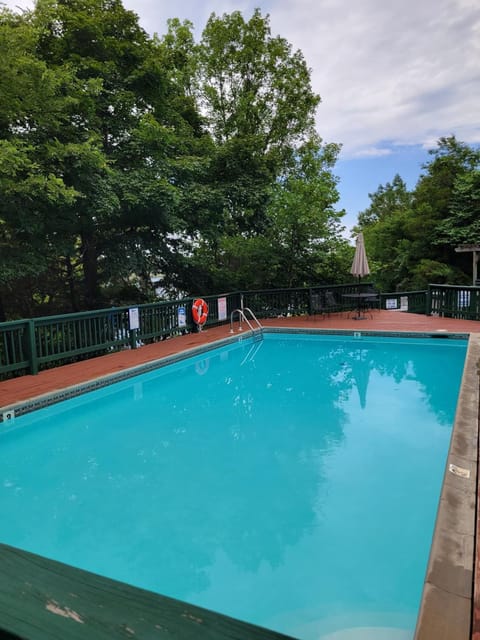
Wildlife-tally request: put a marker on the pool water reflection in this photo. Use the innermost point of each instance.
(292, 483)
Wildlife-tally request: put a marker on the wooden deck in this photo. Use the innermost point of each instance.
(63, 582)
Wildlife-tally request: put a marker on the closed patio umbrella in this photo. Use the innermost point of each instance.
(360, 266)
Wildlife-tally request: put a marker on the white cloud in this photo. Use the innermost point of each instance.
(405, 72)
(372, 152)
(390, 72)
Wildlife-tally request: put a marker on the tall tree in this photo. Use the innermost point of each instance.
(305, 229)
(462, 225)
(138, 124)
(432, 254)
(259, 106)
(411, 238)
(383, 225)
(123, 155)
(256, 99)
(34, 102)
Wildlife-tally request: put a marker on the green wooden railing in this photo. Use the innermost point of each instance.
(271, 303)
(27, 346)
(409, 301)
(454, 302)
(451, 301)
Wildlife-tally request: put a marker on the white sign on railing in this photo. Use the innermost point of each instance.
(392, 304)
(222, 308)
(133, 318)
(182, 317)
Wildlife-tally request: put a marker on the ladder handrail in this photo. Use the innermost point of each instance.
(254, 317)
(241, 313)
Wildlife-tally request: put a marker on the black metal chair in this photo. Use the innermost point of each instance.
(373, 301)
(331, 303)
(317, 305)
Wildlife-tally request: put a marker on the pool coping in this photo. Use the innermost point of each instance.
(52, 397)
(446, 608)
(447, 605)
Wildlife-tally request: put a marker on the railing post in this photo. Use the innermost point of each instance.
(133, 326)
(133, 338)
(32, 347)
(428, 302)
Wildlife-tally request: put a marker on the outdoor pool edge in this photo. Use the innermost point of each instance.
(52, 397)
(447, 600)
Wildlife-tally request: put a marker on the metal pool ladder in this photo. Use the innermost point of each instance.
(242, 315)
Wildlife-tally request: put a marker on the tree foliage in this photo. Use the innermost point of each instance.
(258, 107)
(124, 156)
(34, 103)
(95, 150)
(411, 236)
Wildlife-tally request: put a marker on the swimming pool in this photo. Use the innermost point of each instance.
(291, 482)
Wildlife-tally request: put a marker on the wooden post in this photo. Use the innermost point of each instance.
(475, 249)
(32, 348)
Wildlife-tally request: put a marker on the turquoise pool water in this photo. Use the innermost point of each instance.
(291, 482)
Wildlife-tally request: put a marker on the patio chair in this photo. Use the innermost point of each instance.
(317, 305)
(373, 301)
(331, 303)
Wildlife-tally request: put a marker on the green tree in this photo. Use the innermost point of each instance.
(411, 237)
(108, 53)
(383, 225)
(140, 124)
(432, 253)
(305, 229)
(462, 225)
(34, 101)
(258, 105)
(386, 202)
(123, 155)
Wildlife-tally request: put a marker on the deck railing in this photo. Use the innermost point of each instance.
(409, 301)
(455, 302)
(27, 346)
(451, 301)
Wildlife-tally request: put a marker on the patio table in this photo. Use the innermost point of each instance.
(360, 298)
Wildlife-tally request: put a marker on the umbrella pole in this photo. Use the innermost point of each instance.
(358, 299)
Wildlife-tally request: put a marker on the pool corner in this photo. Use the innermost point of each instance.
(448, 598)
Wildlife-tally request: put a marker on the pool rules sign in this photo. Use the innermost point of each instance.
(182, 317)
(133, 318)
(222, 308)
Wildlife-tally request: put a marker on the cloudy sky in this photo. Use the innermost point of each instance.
(393, 75)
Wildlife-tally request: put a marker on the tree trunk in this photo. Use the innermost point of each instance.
(90, 272)
(3, 317)
(71, 285)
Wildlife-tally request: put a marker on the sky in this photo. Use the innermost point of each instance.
(393, 75)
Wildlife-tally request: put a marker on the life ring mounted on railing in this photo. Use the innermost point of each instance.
(199, 312)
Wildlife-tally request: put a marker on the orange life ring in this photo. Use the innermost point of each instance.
(200, 311)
